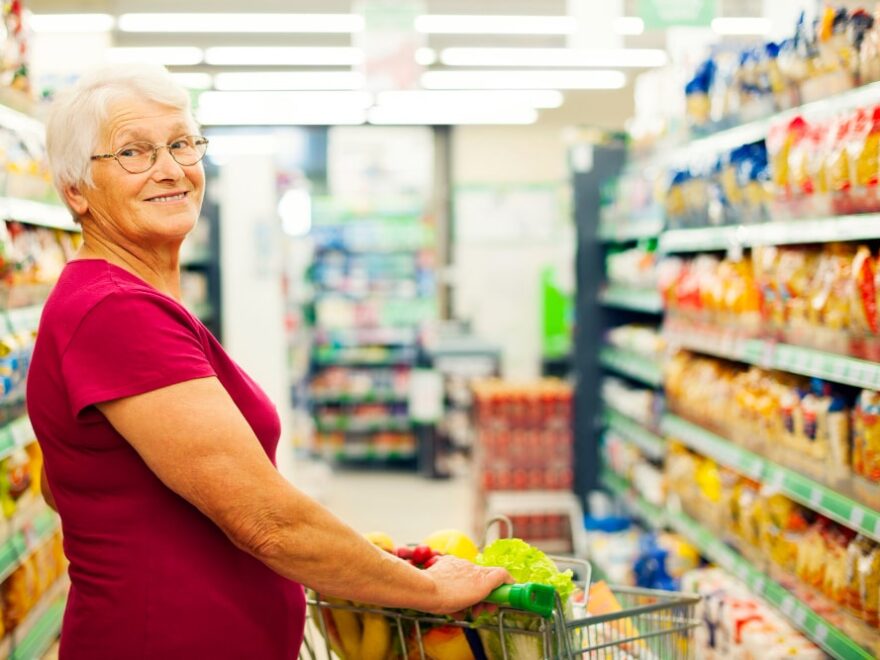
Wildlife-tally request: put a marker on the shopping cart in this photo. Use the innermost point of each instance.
(651, 625)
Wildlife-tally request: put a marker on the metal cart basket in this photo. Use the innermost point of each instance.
(652, 625)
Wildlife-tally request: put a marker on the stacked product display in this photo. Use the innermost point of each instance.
(524, 446)
(751, 427)
(34, 248)
(374, 289)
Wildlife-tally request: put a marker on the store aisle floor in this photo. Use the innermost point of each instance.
(404, 505)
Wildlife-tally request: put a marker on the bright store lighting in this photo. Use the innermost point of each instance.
(629, 25)
(283, 108)
(426, 56)
(174, 56)
(284, 56)
(71, 22)
(295, 210)
(291, 22)
(596, 79)
(520, 57)
(467, 24)
(450, 99)
(741, 26)
(292, 80)
(451, 116)
(195, 81)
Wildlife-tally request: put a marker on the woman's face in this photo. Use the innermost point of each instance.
(154, 207)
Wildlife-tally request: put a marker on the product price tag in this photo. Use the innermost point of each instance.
(821, 633)
(856, 516)
(877, 528)
(787, 606)
(768, 351)
(759, 585)
(815, 497)
(800, 616)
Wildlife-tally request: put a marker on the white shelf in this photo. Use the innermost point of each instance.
(37, 213)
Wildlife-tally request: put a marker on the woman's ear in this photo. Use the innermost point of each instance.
(76, 200)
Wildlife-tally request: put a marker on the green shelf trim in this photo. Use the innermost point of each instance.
(784, 357)
(796, 486)
(619, 230)
(818, 629)
(818, 230)
(385, 362)
(638, 300)
(628, 363)
(20, 544)
(649, 442)
(370, 397)
(44, 632)
(348, 426)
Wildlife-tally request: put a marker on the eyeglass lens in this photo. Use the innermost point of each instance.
(139, 156)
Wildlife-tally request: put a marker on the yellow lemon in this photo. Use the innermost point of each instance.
(453, 542)
(381, 539)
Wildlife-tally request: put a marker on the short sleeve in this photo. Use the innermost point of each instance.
(131, 343)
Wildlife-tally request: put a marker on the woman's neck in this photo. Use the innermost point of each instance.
(158, 268)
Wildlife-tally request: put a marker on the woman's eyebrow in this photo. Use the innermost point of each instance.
(136, 134)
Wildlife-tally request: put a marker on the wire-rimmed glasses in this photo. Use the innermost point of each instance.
(138, 157)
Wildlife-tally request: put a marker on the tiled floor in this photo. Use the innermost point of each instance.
(404, 505)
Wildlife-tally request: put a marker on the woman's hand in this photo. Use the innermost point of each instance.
(460, 584)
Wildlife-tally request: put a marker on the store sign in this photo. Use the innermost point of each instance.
(389, 42)
(659, 14)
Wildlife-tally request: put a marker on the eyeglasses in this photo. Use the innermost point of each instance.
(138, 157)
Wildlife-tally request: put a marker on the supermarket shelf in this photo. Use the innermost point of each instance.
(811, 494)
(37, 213)
(819, 230)
(367, 397)
(400, 361)
(390, 336)
(653, 516)
(15, 434)
(40, 628)
(818, 629)
(204, 311)
(651, 444)
(712, 146)
(633, 365)
(368, 456)
(23, 543)
(346, 425)
(636, 300)
(783, 357)
(616, 229)
(24, 318)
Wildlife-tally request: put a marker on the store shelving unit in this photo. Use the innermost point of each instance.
(373, 286)
(636, 300)
(780, 474)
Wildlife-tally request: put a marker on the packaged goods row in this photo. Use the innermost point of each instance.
(820, 429)
(634, 267)
(626, 460)
(823, 297)
(379, 445)
(337, 383)
(640, 404)
(826, 565)
(839, 50)
(544, 404)
(31, 259)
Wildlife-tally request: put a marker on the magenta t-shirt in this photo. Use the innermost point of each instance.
(151, 576)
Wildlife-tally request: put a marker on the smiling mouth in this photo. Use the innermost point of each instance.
(169, 198)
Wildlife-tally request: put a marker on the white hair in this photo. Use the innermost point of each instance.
(78, 113)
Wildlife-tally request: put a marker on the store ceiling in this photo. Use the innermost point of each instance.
(604, 108)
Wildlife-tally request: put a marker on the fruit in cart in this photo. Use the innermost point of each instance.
(421, 554)
(382, 540)
(446, 643)
(343, 628)
(453, 542)
(376, 639)
(405, 552)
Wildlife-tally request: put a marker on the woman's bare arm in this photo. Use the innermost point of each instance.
(198, 443)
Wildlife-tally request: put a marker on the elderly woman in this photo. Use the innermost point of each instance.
(184, 541)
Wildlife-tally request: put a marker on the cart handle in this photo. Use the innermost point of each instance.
(529, 596)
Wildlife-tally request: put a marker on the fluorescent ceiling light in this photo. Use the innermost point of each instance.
(283, 107)
(178, 55)
(239, 145)
(451, 116)
(292, 80)
(523, 57)
(471, 98)
(629, 25)
(290, 22)
(194, 80)
(71, 22)
(595, 79)
(274, 116)
(469, 24)
(741, 25)
(284, 56)
(426, 56)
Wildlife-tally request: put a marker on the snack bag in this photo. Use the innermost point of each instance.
(869, 585)
(866, 317)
